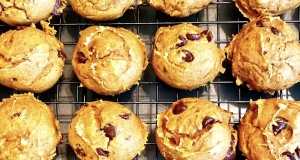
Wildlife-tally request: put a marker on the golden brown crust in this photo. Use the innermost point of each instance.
(193, 129)
(102, 10)
(186, 57)
(265, 54)
(106, 130)
(179, 8)
(29, 129)
(253, 9)
(23, 12)
(109, 60)
(270, 129)
(30, 59)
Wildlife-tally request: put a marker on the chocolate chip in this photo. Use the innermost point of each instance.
(279, 127)
(261, 23)
(276, 31)
(16, 115)
(183, 41)
(208, 35)
(289, 155)
(189, 57)
(110, 131)
(79, 151)
(297, 152)
(81, 58)
(192, 36)
(179, 108)
(14, 79)
(62, 55)
(207, 120)
(58, 5)
(125, 115)
(102, 152)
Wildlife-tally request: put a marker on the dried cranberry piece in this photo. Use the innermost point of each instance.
(279, 127)
(208, 35)
(231, 157)
(183, 41)
(81, 58)
(20, 27)
(232, 140)
(58, 4)
(110, 131)
(179, 108)
(298, 152)
(62, 55)
(135, 3)
(289, 155)
(125, 115)
(192, 36)
(2, 6)
(261, 23)
(207, 120)
(276, 31)
(80, 151)
(102, 152)
(189, 57)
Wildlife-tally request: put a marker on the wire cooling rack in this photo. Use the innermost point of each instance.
(152, 96)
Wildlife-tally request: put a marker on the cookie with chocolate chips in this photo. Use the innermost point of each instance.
(265, 55)
(106, 130)
(29, 129)
(30, 59)
(109, 60)
(186, 57)
(100, 10)
(193, 129)
(24, 12)
(270, 129)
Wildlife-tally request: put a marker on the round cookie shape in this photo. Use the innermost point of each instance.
(179, 8)
(106, 130)
(270, 129)
(29, 129)
(253, 9)
(185, 57)
(193, 129)
(109, 60)
(103, 10)
(265, 54)
(24, 12)
(30, 59)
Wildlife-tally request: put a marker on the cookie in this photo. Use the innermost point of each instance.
(30, 59)
(193, 129)
(109, 60)
(186, 57)
(29, 129)
(103, 10)
(255, 8)
(270, 130)
(106, 130)
(265, 54)
(179, 8)
(24, 12)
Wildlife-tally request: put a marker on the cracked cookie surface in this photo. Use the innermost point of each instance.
(255, 8)
(103, 10)
(29, 129)
(25, 12)
(109, 60)
(30, 59)
(186, 57)
(270, 130)
(265, 54)
(194, 128)
(106, 130)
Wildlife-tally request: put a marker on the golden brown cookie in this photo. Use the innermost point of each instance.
(179, 8)
(25, 12)
(103, 10)
(254, 8)
(193, 129)
(109, 60)
(265, 54)
(270, 130)
(30, 59)
(106, 130)
(29, 129)
(186, 57)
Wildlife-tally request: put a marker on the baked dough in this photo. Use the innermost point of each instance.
(109, 60)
